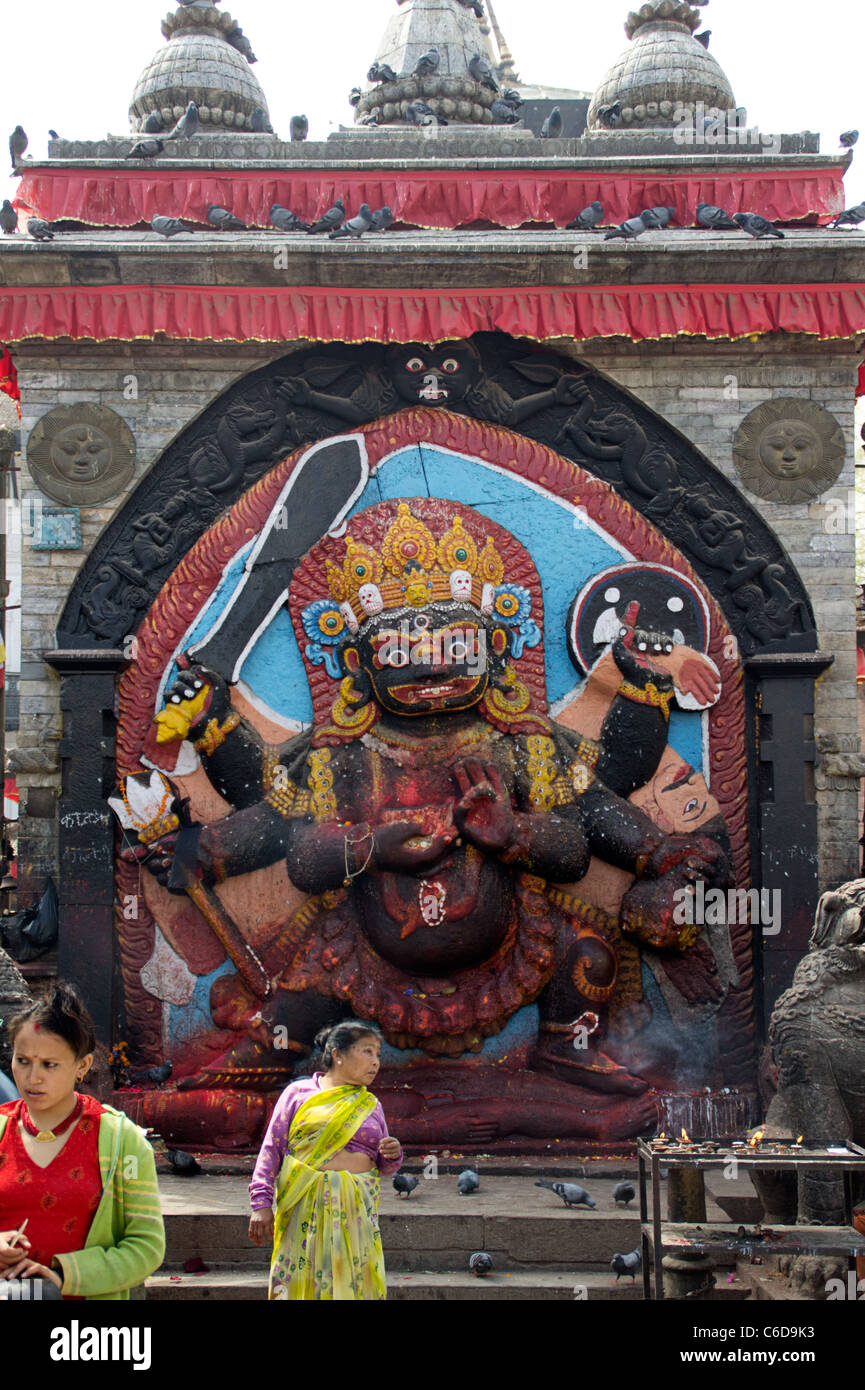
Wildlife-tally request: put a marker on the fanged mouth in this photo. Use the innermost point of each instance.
(441, 690)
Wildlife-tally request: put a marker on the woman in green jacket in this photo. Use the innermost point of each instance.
(79, 1203)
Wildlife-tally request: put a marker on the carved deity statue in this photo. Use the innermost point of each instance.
(454, 853)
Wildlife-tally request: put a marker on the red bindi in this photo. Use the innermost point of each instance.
(36, 1027)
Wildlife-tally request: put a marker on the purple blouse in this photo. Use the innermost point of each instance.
(275, 1146)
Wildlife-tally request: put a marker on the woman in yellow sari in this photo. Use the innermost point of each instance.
(323, 1156)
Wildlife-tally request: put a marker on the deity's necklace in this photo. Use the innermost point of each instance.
(47, 1136)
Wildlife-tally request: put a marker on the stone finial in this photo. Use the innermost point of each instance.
(672, 11)
(206, 60)
(452, 93)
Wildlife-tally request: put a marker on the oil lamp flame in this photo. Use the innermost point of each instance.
(685, 1137)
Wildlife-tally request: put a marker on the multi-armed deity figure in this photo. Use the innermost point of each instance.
(437, 825)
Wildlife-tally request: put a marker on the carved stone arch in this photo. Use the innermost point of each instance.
(568, 406)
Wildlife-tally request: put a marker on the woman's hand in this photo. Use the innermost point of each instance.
(12, 1254)
(29, 1269)
(261, 1227)
(390, 1148)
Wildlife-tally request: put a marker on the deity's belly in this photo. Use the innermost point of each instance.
(452, 918)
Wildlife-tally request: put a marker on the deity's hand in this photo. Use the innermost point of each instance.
(695, 857)
(196, 697)
(484, 814)
(294, 390)
(569, 390)
(157, 858)
(395, 852)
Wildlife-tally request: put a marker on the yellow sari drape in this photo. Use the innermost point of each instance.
(327, 1243)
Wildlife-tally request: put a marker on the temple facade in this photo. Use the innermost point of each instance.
(450, 625)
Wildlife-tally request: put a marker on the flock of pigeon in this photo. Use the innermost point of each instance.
(338, 226)
(571, 1194)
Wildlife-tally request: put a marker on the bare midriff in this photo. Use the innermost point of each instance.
(347, 1161)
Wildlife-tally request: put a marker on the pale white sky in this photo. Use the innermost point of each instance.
(73, 64)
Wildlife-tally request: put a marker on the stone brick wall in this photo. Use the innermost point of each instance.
(703, 390)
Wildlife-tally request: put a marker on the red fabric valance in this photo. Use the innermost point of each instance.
(236, 314)
(276, 315)
(443, 198)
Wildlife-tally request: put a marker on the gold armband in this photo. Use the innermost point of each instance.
(659, 699)
(215, 734)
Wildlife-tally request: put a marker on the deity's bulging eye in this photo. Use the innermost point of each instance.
(415, 364)
(450, 364)
(675, 604)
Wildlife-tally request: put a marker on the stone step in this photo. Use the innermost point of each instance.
(250, 1285)
(522, 1227)
(243, 1284)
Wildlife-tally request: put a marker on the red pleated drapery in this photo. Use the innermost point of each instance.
(239, 314)
(8, 375)
(431, 197)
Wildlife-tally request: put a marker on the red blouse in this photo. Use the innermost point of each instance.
(60, 1200)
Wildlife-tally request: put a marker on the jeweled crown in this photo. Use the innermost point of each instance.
(414, 569)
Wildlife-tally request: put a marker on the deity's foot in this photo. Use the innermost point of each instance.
(593, 1069)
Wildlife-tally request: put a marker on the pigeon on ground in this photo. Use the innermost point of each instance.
(468, 1182)
(381, 219)
(715, 218)
(146, 149)
(419, 113)
(658, 218)
(40, 230)
(184, 1165)
(354, 96)
(482, 72)
(627, 1264)
(624, 1192)
(756, 226)
(224, 221)
(8, 218)
(355, 226)
(570, 1192)
(18, 143)
(286, 221)
(504, 113)
(187, 126)
(553, 126)
(610, 116)
(427, 63)
(154, 125)
(480, 1264)
(628, 231)
(852, 217)
(333, 218)
(588, 219)
(704, 37)
(404, 1184)
(298, 128)
(168, 226)
(381, 72)
(849, 138)
(259, 122)
(156, 1075)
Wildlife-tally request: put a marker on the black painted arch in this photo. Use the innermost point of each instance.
(324, 390)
